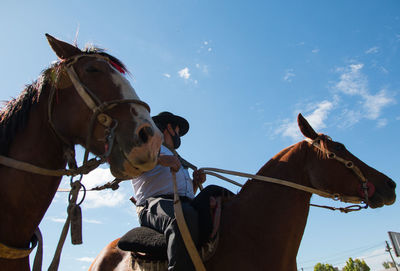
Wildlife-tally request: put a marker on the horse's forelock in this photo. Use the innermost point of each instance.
(324, 142)
(90, 49)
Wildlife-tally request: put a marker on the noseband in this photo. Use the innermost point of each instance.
(366, 188)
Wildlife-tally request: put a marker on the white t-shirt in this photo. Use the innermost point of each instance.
(158, 181)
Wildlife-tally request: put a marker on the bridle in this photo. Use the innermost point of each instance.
(366, 188)
(97, 107)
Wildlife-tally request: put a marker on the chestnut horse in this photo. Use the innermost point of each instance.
(262, 226)
(82, 99)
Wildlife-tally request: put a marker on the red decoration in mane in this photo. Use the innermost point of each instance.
(118, 67)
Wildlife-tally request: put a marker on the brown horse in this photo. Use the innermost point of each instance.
(83, 99)
(262, 227)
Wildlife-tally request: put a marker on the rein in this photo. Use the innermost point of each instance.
(188, 241)
(335, 196)
(365, 185)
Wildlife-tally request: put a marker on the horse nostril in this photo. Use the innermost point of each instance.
(145, 133)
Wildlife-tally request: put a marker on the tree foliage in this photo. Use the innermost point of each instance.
(387, 265)
(324, 267)
(356, 265)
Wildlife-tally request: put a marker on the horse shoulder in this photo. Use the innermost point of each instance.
(111, 258)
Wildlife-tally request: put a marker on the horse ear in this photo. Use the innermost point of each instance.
(62, 49)
(306, 128)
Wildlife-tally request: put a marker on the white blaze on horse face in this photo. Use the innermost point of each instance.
(146, 154)
(128, 92)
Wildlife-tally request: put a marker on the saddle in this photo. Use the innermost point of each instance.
(145, 243)
(148, 245)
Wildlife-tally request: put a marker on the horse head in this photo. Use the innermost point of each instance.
(94, 105)
(337, 171)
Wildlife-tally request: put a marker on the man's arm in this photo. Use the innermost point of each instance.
(170, 161)
(199, 177)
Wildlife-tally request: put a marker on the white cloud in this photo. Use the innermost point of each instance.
(92, 221)
(349, 118)
(202, 68)
(289, 74)
(315, 51)
(97, 177)
(57, 219)
(103, 198)
(372, 50)
(62, 220)
(316, 119)
(184, 73)
(289, 129)
(382, 123)
(383, 69)
(352, 81)
(319, 115)
(362, 105)
(375, 103)
(167, 75)
(85, 259)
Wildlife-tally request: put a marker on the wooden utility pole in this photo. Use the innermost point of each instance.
(388, 249)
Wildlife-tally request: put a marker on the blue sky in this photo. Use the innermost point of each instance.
(240, 72)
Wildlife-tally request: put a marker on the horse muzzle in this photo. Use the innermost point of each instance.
(141, 157)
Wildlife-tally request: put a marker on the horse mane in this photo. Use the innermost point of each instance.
(15, 113)
(272, 162)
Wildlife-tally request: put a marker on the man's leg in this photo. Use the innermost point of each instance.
(160, 216)
(202, 204)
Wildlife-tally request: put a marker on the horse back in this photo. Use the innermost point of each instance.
(111, 258)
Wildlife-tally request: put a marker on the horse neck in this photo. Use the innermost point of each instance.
(270, 217)
(26, 196)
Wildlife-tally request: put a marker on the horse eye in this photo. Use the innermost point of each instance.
(92, 69)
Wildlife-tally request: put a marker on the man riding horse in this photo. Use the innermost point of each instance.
(154, 193)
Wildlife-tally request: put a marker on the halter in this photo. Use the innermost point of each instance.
(97, 107)
(366, 188)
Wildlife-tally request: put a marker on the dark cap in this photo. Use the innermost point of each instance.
(164, 118)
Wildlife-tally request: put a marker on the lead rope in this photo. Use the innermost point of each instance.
(37, 262)
(183, 228)
(74, 220)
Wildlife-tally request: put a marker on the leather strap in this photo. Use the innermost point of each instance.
(183, 228)
(8, 252)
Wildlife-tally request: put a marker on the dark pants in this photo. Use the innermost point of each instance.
(158, 214)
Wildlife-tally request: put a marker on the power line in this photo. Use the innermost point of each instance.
(344, 253)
